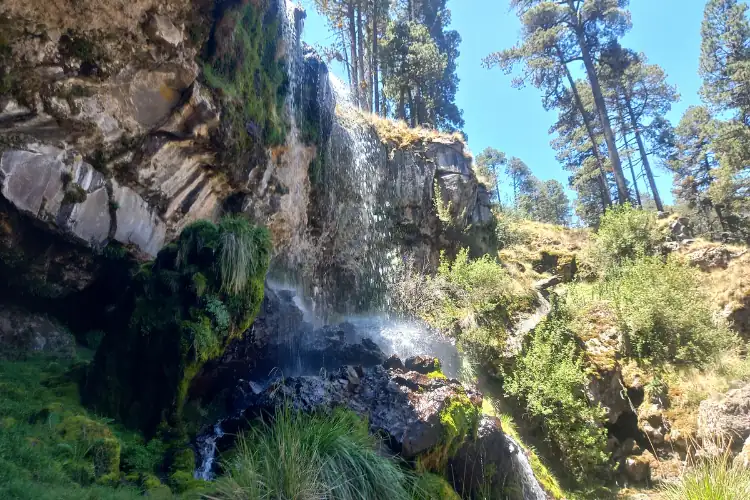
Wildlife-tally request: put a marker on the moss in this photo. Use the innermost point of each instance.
(142, 373)
(460, 420)
(252, 82)
(74, 194)
(182, 481)
(437, 374)
(434, 487)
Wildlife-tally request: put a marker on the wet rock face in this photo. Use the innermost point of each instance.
(482, 463)
(405, 405)
(25, 332)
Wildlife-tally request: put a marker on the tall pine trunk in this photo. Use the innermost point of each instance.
(624, 129)
(603, 184)
(601, 107)
(361, 62)
(354, 59)
(375, 62)
(644, 155)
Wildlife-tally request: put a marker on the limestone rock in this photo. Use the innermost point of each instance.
(25, 332)
(137, 224)
(726, 418)
(54, 188)
(161, 29)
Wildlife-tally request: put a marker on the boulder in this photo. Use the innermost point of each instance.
(708, 258)
(638, 468)
(24, 332)
(422, 364)
(725, 419)
(482, 463)
(161, 29)
(419, 415)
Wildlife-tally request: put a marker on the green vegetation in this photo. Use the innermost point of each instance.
(252, 81)
(624, 233)
(201, 291)
(459, 419)
(473, 300)
(53, 448)
(434, 487)
(663, 313)
(712, 478)
(550, 379)
(305, 456)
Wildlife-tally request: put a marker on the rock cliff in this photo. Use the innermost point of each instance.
(122, 123)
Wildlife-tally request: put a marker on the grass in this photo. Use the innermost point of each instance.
(399, 133)
(53, 448)
(302, 456)
(714, 478)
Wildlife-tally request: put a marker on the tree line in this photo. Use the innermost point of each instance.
(400, 58)
(611, 120)
(610, 133)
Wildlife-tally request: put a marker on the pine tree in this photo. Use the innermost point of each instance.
(559, 33)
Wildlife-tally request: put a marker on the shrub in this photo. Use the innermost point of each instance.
(550, 380)
(311, 456)
(199, 293)
(663, 313)
(471, 299)
(710, 479)
(625, 233)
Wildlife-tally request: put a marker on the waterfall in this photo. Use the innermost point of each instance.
(523, 473)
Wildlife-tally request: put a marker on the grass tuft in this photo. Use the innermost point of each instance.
(301, 456)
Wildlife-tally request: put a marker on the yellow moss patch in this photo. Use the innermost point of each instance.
(399, 133)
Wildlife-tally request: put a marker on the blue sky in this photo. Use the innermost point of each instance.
(667, 31)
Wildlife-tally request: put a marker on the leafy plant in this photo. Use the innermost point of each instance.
(663, 312)
(550, 379)
(625, 233)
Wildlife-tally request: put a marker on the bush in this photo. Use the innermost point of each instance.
(303, 456)
(713, 478)
(199, 293)
(550, 380)
(625, 233)
(473, 300)
(663, 313)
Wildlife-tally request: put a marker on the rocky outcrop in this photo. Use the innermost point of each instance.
(725, 420)
(22, 332)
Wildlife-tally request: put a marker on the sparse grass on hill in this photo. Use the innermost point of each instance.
(399, 133)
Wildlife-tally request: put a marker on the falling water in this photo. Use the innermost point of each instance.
(523, 473)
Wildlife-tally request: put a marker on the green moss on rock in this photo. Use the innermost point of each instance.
(434, 487)
(459, 419)
(243, 65)
(170, 328)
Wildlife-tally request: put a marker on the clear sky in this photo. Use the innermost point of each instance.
(667, 31)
